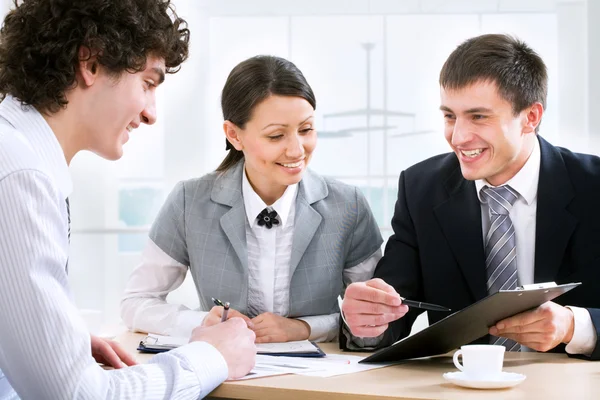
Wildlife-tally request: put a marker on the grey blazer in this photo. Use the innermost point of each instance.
(203, 225)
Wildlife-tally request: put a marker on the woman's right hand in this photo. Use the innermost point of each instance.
(214, 317)
(234, 341)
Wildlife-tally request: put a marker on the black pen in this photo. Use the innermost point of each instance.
(217, 302)
(424, 306)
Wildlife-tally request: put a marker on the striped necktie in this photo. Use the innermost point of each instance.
(500, 247)
(68, 219)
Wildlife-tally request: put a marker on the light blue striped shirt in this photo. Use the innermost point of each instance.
(44, 344)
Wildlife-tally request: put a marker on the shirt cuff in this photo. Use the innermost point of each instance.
(187, 320)
(360, 343)
(584, 334)
(355, 342)
(323, 328)
(206, 361)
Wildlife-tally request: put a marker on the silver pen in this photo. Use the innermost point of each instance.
(225, 311)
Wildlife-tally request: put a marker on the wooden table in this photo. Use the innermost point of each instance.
(549, 376)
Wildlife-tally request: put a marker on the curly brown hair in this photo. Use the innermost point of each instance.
(40, 42)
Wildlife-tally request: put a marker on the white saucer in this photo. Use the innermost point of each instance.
(500, 381)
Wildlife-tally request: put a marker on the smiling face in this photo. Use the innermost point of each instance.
(117, 105)
(277, 143)
(490, 141)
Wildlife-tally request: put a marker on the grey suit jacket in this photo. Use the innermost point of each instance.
(203, 225)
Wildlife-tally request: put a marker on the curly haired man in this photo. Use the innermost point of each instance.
(81, 75)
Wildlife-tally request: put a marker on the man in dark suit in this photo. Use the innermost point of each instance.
(506, 208)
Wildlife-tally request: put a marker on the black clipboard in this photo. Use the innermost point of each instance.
(468, 324)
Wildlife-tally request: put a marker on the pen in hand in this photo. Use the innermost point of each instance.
(217, 302)
(225, 308)
(424, 306)
(225, 311)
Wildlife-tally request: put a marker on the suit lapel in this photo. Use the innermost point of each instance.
(311, 189)
(460, 219)
(307, 223)
(233, 224)
(227, 190)
(554, 224)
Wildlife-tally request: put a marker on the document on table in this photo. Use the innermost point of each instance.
(302, 348)
(260, 372)
(274, 367)
(269, 365)
(331, 365)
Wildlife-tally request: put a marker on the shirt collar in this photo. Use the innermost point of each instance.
(34, 128)
(525, 182)
(254, 204)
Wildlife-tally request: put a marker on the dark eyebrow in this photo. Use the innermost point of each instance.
(478, 110)
(286, 125)
(475, 110)
(160, 73)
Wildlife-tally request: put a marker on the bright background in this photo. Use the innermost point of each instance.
(373, 66)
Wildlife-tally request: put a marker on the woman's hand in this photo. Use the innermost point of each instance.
(271, 328)
(214, 316)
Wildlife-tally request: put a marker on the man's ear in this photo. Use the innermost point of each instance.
(232, 133)
(533, 117)
(88, 66)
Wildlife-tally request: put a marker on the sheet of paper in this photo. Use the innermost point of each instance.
(270, 366)
(344, 365)
(171, 341)
(258, 372)
(544, 285)
(331, 365)
(301, 346)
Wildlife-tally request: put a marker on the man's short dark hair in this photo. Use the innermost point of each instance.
(517, 70)
(40, 42)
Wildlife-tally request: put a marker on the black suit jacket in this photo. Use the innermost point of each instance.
(436, 254)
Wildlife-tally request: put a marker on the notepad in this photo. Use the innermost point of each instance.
(158, 343)
(302, 348)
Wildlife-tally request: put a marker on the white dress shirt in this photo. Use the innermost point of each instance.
(269, 251)
(523, 216)
(144, 306)
(45, 350)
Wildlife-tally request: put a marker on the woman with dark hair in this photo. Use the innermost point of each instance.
(263, 232)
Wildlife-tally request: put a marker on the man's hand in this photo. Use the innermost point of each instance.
(214, 316)
(370, 306)
(271, 328)
(234, 341)
(110, 353)
(541, 329)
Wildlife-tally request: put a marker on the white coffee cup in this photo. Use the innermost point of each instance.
(480, 360)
